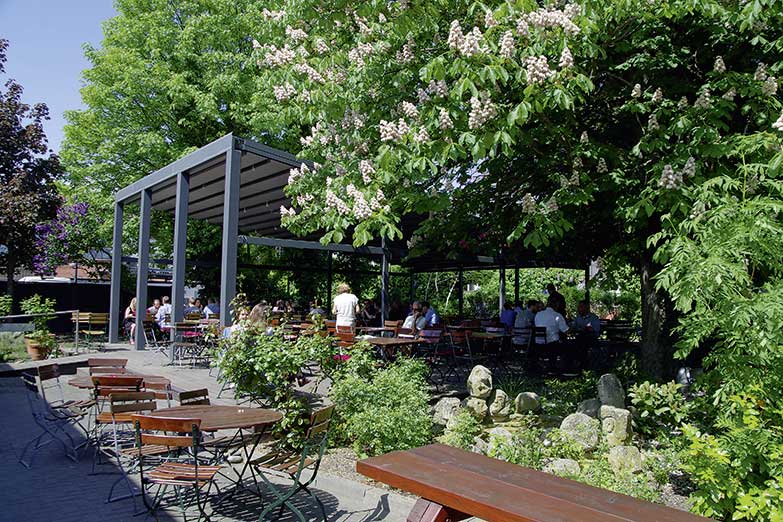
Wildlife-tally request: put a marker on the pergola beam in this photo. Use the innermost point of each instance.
(309, 245)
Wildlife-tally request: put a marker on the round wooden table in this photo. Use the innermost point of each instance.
(219, 417)
(85, 381)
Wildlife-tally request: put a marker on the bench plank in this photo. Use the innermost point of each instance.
(497, 491)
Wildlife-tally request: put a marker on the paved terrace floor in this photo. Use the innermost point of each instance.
(57, 489)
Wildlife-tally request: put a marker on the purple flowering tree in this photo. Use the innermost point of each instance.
(69, 237)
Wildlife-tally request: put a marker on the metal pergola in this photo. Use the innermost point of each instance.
(240, 185)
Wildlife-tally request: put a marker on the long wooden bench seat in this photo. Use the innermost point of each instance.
(454, 484)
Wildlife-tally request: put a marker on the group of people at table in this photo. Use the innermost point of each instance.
(161, 309)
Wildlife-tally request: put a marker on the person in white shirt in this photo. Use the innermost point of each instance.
(163, 311)
(553, 321)
(345, 307)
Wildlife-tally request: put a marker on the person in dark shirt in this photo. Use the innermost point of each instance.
(558, 303)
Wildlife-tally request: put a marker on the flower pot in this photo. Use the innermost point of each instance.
(36, 350)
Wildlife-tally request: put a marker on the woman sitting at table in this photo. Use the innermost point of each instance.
(369, 313)
(130, 320)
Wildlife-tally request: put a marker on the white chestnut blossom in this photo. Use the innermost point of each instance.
(704, 101)
(601, 168)
(367, 169)
(444, 120)
(276, 57)
(438, 88)
(287, 212)
(410, 110)
(566, 58)
(359, 53)
(730, 94)
(456, 37)
(489, 20)
(405, 55)
(471, 43)
(376, 202)
(507, 45)
(551, 205)
(422, 95)
(304, 96)
(256, 44)
(391, 131)
(523, 29)
(481, 111)
(312, 74)
(321, 46)
(537, 68)
(360, 207)
(381, 18)
(572, 10)
(761, 72)
(547, 18)
(333, 201)
(636, 92)
(528, 203)
(273, 15)
(670, 179)
(683, 103)
(303, 199)
(719, 66)
(584, 138)
(421, 136)
(575, 179)
(770, 86)
(778, 125)
(283, 92)
(577, 163)
(689, 170)
(297, 35)
(657, 95)
(652, 123)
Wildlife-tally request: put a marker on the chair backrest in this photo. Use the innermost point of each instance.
(319, 421)
(404, 331)
(344, 329)
(495, 329)
(106, 384)
(458, 335)
(161, 389)
(115, 365)
(194, 397)
(38, 405)
(430, 335)
(146, 423)
(131, 402)
(50, 372)
(539, 334)
(107, 369)
(193, 316)
(345, 339)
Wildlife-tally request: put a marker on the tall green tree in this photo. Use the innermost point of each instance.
(28, 170)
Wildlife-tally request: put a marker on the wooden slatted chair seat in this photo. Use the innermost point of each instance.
(178, 471)
(194, 398)
(150, 450)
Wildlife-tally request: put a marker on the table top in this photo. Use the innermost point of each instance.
(488, 335)
(392, 341)
(219, 417)
(497, 491)
(85, 381)
(375, 329)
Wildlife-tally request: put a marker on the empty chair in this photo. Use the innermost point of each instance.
(183, 471)
(194, 397)
(101, 365)
(92, 326)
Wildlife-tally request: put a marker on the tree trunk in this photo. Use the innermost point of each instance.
(10, 271)
(658, 321)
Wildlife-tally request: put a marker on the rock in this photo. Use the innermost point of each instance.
(445, 409)
(500, 433)
(590, 407)
(625, 459)
(550, 421)
(616, 425)
(480, 382)
(477, 407)
(479, 446)
(499, 406)
(610, 391)
(526, 402)
(563, 467)
(584, 430)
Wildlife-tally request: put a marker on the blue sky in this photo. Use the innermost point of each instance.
(45, 54)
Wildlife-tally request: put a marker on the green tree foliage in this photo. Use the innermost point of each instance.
(28, 170)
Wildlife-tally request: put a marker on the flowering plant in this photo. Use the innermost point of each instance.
(67, 237)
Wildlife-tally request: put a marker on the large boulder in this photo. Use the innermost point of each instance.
(590, 407)
(477, 407)
(616, 425)
(584, 430)
(527, 402)
(479, 446)
(445, 409)
(625, 459)
(480, 382)
(610, 391)
(501, 434)
(563, 467)
(500, 406)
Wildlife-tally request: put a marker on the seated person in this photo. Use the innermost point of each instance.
(586, 322)
(212, 308)
(508, 316)
(191, 308)
(369, 314)
(553, 321)
(316, 310)
(431, 317)
(153, 310)
(163, 311)
(416, 320)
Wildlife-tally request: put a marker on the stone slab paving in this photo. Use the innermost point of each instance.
(57, 489)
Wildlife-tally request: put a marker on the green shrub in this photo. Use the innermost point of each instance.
(526, 448)
(660, 407)
(599, 473)
(562, 397)
(461, 430)
(386, 412)
(12, 347)
(5, 305)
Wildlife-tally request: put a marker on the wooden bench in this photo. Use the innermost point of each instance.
(454, 485)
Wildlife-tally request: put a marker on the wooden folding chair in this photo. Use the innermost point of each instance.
(93, 326)
(194, 397)
(100, 365)
(290, 463)
(186, 473)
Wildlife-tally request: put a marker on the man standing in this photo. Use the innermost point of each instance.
(559, 302)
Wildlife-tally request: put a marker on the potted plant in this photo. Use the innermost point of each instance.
(41, 341)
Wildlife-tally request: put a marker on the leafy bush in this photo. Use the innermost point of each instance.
(12, 347)
(462, 430)
(385, 412)
(660, 407)
(43, 309)
(5, 305)
(526, 448)
(598, 473)
(562, 397)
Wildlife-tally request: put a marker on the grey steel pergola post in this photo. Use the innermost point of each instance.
(384, 280)
(116, 275)
(329, 283)
(142, 269)
(228, 262)
(587, 284)
(180, 239)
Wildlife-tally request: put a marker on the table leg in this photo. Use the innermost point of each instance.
(427, 511)
(247, 454)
